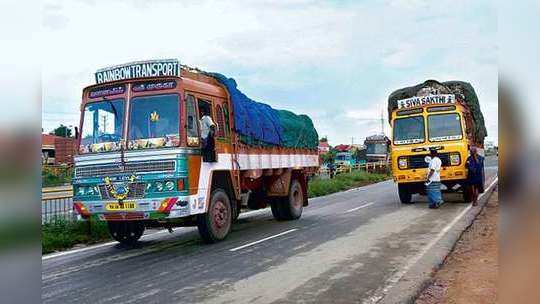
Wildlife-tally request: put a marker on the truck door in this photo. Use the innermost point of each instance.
(192, 122)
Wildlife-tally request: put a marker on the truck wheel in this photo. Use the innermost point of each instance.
(293, 205)
(215, 224)
(405, 195)
(126, 232)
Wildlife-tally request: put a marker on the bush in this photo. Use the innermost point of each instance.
(62, 235)
(55, 176)
(344, 181)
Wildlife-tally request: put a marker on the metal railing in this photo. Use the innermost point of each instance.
(57, 205)
(373, 167)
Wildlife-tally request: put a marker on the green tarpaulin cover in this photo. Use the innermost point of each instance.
(459, 88)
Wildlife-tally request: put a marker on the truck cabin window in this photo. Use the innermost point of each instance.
(379, 148)
(154, 122)
(442, 127)
(409, 130)
(103, 123)
(192, 125)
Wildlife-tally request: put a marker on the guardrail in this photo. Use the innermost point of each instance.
(57, 204)
(368, 167)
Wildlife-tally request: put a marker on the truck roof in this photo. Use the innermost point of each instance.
(461, 89)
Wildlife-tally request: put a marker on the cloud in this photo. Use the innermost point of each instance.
(336, 61)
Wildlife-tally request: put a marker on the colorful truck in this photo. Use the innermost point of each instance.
(445, 116)
(142, 142)
(377, 148)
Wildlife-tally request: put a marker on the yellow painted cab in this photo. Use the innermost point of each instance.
(433, 115)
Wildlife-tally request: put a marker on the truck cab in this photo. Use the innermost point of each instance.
(430, 121)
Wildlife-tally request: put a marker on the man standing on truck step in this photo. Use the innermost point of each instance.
(433, 183)
(208, 129)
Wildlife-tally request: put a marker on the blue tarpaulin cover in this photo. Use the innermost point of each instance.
(252, 119)
(257, 122)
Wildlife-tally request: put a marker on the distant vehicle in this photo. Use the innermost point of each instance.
(445, 116)
(377, 148)
(349, 155)
(145, 159)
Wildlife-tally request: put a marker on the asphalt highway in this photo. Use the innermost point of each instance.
(345, 249)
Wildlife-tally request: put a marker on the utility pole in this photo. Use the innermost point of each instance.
(382, 122)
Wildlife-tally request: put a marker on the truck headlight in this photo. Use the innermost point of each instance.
(169, 185)
(81, 191)
(403, 162)
(86, 191)
(455, 159)
(159, 186)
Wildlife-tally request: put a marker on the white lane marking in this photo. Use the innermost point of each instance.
(398, 275)
(358, 208)
(262, 240)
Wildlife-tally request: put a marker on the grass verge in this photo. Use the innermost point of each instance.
(62, 235)
(344, 181)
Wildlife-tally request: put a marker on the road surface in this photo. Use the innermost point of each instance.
(346, 248)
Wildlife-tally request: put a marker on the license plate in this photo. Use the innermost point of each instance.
(118, 207)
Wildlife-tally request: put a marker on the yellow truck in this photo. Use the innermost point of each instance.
(444, 116)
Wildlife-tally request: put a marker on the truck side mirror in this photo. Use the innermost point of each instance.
(76, 133)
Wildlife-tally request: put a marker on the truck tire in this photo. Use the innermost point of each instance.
(405, 195)
(126, 232)
(291, 207)
(215, 224)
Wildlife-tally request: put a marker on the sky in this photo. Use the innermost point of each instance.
(336, 61)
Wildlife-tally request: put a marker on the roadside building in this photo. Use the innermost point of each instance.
(57, 150)
(324, 147)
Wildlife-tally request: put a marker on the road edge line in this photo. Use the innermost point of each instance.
(410, 294)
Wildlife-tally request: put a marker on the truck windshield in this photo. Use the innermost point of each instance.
(154, 122)
(103, 122)
(379, 148)
(409, 130)
(443, 127)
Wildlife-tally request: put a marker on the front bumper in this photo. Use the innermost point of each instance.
(145, 209)
(450, 173)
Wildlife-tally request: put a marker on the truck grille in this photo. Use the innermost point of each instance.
(417, 161)
(135, 167)
(136, 190)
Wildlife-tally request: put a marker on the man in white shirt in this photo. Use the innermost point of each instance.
(208, 128)
(433, 183)
(206, 125)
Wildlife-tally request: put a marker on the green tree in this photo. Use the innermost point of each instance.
(328, 157)
(62, 131)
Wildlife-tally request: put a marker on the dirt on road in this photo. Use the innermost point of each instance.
(470, 272)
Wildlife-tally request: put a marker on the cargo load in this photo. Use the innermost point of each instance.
(259, 124)
(461, 89)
